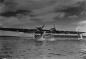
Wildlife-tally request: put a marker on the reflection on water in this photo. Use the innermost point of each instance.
(83, 50)
(21, 48)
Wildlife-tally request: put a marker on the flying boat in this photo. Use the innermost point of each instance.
(41, 33)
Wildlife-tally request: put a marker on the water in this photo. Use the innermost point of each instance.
(26, 48)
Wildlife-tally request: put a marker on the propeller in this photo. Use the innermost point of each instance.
(40, 28)
(39, 31)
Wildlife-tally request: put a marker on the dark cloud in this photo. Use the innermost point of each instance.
(73, 10)
(1, 1)
(10, 5)
(14, 13)
(11, 9)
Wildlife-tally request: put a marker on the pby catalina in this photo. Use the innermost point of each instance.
(39, 32)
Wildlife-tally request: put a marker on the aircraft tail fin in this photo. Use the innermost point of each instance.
(54, 27)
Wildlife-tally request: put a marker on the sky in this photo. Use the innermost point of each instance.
(39, 12)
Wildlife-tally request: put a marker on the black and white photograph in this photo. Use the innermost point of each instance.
(42, 29)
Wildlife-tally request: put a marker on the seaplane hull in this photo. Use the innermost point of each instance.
(42, 34)
(62, 37)
(47, 36)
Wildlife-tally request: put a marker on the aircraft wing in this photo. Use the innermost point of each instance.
(35, 31)
(18, 30)
(64, 32)
(68, 32)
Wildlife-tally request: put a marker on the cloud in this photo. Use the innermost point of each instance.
(74, 10)
(81, 26)
(14, 21)
(44, 13)
(15, 13)
(82, 22)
